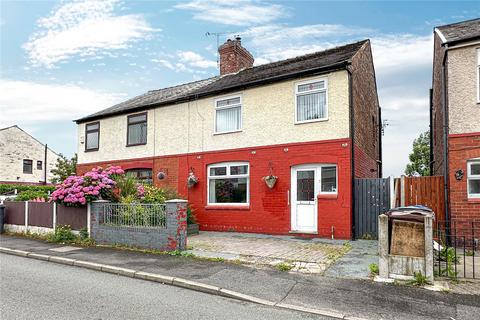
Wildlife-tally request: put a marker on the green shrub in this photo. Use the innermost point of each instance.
(64, 234)
(9, 188)
(419, 279)
(158, 195)
(190, 216)
(84, 234)
(31, 195)
(373, 268)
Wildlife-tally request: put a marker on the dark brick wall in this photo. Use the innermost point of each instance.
(366, 114)
(437, 107)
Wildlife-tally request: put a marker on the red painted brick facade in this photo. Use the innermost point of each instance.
(269, 210)
(462, 147)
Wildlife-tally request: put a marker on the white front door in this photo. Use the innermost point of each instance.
(305, 188)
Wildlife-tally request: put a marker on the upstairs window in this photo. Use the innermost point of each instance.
(143, 176)
(473, 178)
(92, 136)
(228, 183)
(478, 75)
(39, 165)
(27, 166)
(311, 101)
(137, 129)
(228, 115)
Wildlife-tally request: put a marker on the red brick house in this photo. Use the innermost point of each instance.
(455, 116)
(310, 121)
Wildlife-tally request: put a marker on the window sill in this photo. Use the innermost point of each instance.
(91, 150)
(328, 196)
(226, 132)
(473, 200)
(311, 121)
(137, 144)
(228, 207)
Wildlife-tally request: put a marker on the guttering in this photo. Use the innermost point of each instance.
(352, 150)
(197, 95)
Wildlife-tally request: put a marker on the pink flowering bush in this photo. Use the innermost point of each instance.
(93, 185)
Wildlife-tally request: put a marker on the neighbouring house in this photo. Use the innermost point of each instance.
(24, 159)
(455, 116)
(312, 122)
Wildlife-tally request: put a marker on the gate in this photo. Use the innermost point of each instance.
(372, 198)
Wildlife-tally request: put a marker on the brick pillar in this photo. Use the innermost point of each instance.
(96, 212)
(176, 212)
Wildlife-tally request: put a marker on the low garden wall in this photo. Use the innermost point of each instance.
(153, 226)
(42, 217)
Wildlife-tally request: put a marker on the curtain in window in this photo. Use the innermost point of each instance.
(311, 106)
(137, 133)
(228, 119)
(92, 140)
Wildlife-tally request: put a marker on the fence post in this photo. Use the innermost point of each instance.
(176, 214)
(89, 218)
(428, 227)
(26, 216)
(402, 191)
(54, 218)
(384, 273)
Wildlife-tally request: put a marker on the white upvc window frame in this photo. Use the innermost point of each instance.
(478, 75)
(228, 176)
(325, 165)
(215, 132)
(471, 176)
(325, 89)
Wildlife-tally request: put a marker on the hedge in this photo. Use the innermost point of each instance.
(8, 188)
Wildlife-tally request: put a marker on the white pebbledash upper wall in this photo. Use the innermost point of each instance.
(463, 86)
(268, 118)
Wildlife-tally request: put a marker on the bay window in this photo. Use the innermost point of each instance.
(473, 178)
(311, 101)
(228, 183)
(228, 114)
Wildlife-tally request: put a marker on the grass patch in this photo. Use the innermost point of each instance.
(283, 266)
(418, 279)
(373, 268)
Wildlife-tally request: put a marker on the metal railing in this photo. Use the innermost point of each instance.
(458, 251)
(134, 215)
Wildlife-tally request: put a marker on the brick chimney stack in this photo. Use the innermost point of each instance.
(234, 57)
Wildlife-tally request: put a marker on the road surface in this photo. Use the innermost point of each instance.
(33, 289)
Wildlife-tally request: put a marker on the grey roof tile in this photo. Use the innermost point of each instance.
(461, 31)
(327, 59)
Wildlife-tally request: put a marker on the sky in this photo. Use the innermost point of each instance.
(61, 60)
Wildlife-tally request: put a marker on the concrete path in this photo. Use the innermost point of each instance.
(303, 255)
(355, 263)
(356, 298)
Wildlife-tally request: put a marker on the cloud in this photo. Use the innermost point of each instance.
(186, 61)
(24, 102)
(234, 12)
(84, 28)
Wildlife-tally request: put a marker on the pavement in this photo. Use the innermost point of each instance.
(351, 298)
(55, 291)
(302, 254)
(355, 263)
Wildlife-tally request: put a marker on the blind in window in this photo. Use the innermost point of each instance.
(228, 119)
(311, 106)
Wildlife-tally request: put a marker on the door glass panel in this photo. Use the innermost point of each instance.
(306, 185)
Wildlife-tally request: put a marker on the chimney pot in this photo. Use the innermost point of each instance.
(234, 57)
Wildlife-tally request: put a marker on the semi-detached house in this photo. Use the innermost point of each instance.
(311, 121)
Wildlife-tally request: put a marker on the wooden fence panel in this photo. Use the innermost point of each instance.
(426, 191)
(75, 217)
(40, 214)
(14, 212)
